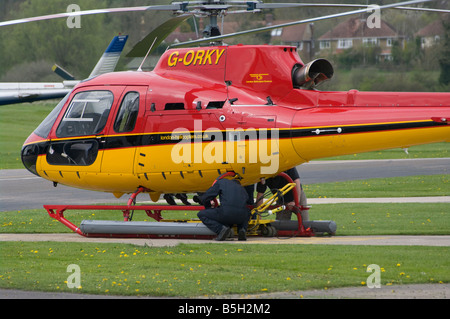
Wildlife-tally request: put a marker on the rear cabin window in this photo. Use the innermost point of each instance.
(128, 113)
(86, 115)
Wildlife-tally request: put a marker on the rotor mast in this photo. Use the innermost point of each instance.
(212, 29)
(212, 9)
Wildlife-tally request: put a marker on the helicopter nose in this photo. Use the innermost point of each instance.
(32, 148)
(29, 156)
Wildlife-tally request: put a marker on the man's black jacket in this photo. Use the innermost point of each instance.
(230, 192)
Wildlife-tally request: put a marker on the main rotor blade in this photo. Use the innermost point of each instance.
(332, 5)
(272, 27)
(423, 9)
(170, 7)
(160, 33)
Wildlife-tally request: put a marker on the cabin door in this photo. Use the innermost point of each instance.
(124, 131)
(182, 146)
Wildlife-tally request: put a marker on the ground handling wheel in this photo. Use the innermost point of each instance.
(268, 230)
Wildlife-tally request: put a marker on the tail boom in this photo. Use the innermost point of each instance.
(411, 119)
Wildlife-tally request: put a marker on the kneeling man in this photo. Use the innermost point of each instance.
(232, 210)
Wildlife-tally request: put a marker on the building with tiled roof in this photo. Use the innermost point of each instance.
(431, 34)
(300, 36)
(355, 32)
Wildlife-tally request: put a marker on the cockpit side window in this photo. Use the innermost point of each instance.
(128, 112)
(86, 115)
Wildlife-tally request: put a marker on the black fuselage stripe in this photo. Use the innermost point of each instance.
(361, 128)
(125, 141)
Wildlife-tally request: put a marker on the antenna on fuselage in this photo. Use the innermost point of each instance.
(145, 58)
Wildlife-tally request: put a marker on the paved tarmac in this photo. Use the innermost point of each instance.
(418, 291)
(385, 240)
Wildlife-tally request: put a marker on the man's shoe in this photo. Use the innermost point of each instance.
(224, 233)
(241, 235)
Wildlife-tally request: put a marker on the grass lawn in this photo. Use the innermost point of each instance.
(435, 150)
(17, 122)
(215, 269)
(409, 186)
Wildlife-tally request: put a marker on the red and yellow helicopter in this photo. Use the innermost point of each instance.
(246, 110)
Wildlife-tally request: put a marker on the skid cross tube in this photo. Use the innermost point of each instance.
(302, 231)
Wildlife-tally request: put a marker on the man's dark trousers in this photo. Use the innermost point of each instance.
(215, 218)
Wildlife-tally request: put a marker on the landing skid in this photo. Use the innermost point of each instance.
(163, 228)
(186, 228)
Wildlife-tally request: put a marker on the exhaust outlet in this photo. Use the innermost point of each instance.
(311, 74)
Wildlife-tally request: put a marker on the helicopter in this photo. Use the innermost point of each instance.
(250, 110)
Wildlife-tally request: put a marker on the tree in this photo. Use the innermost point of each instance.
(444, 61)
(52, 41)
(76, 50)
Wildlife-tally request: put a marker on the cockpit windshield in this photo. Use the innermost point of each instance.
(44, 128)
